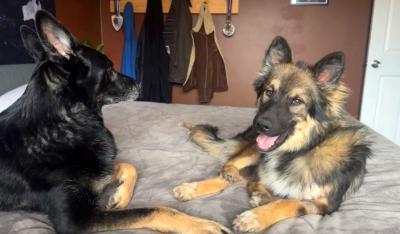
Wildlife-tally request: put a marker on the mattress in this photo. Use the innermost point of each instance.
(149, 135)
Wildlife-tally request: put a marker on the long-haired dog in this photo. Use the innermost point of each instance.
(56, 155)
(302, 146)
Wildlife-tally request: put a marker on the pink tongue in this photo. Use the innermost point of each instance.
(265, 142)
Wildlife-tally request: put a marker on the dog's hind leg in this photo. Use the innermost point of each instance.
(16, 194)
(206, 137)
(71, 206)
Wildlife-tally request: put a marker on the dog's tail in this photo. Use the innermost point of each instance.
(206, 136)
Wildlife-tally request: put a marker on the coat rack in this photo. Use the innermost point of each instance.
(214, 6)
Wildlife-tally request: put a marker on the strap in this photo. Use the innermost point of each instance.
(206, 18)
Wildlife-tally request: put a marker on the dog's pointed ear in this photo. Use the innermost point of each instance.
(56, 40)
(278, 52)
(329, 70)
(31, 42)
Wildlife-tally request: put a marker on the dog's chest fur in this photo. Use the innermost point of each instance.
(295, 182)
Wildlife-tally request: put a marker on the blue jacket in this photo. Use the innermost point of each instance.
(128, 65)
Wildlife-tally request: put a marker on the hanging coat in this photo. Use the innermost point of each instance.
(128, 66)
(152, 61)
(178, 40)
(208, 73)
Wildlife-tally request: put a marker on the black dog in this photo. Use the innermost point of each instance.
(56, 155)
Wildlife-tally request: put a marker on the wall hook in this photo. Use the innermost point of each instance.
(117, 19)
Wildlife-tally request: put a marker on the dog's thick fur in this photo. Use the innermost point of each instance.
(56, 155)
(302, 146)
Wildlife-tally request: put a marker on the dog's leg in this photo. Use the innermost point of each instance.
(263, 217)
(231, 169)
(159, 219)
(16, 194)
(258, 193)
(125, 176)
(72, 208)
(189, 191)
(206, 137)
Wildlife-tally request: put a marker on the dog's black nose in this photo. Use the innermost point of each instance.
(264, 124)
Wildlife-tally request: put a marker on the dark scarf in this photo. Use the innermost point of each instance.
(178, 39)
(152, 70)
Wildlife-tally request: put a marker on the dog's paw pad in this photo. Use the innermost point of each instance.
(247, 222)
(185, 192)
(231, 174)
(120, 199)
(258, 199)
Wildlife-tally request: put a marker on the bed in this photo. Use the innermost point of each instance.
(148, 135)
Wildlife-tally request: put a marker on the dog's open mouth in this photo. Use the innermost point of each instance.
(268, 143)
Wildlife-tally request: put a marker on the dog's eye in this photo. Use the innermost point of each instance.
(297, 101)
(269, 92)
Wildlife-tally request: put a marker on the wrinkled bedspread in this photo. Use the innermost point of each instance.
(149, 135)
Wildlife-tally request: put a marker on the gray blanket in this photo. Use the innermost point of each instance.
(148, 135)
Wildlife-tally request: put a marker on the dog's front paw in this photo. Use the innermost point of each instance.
(259, 198)
(185, 192)
(203, 226)
(231, 174)
(247, 222)
(125, 175)
(120, 199)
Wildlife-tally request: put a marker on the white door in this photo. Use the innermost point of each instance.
(380, 107)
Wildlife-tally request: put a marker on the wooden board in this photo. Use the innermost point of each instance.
(215, 6)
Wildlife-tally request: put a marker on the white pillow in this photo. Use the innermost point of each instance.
(10, 97)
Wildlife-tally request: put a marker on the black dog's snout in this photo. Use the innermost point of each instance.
(264, 124)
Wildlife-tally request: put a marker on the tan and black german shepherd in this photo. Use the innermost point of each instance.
(302, 147)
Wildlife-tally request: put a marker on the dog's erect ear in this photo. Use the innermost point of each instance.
(329, 70)
(31, 42)
(278, 52)
(57, 41)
